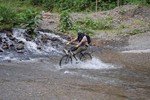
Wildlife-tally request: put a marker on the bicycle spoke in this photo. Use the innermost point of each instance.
(65, 60)
(85, 57)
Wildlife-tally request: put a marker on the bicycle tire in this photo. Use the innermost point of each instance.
(85, 56)
(65, 60)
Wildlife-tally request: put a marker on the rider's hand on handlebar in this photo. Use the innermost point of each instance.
(67, 43)
(77, 46)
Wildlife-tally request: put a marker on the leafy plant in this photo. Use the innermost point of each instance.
(36, 2)
(65, 21)
(89, 23)
(7, 16)
(29, 19)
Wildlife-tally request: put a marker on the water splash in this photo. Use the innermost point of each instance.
(34, 48)
(29, 45)
(95, 63)
(32, 45)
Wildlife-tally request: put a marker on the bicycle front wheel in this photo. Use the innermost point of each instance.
(85, 57)
(66, 59)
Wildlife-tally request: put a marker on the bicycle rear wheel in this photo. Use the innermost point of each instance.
(66, 59)
(85, 56)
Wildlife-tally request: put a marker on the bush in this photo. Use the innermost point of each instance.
(7, 16)
(65, 21)
(29, 19)
(36, 2)
(89, 23)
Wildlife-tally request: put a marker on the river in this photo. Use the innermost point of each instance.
(110, 75)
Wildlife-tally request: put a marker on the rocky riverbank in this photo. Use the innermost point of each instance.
(130, 30)
(119, 69)
(129, 23)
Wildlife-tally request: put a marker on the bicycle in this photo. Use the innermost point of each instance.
(69, 56)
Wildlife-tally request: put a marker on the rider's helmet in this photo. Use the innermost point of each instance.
(80, 32)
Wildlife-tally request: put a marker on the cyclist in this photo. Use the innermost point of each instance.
(83, 42)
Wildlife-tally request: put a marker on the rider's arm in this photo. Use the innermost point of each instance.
(82, 41)
(73, 40)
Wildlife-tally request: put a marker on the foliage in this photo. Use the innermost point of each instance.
(36, 2)
(29, 19)
(103, 5)
(137, 1)
(83, 5)
(65, 21)
(7, 16)
(94, 24)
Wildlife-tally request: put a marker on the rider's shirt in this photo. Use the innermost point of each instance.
(85, 41)
(83, 38)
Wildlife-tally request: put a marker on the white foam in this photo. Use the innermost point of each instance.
(90, 64)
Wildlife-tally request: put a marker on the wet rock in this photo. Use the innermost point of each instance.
(5, 45)
(9, 34)
(1, 50)
(39, 47)
(20, 51)
(21, 42)
(55, 39)
(44, 38)
(20, 46)
(12, 38)
(0, 39)
(54, 44)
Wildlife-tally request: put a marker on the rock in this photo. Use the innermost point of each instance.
(9, 34)
(39, 47)
(0, 39)
(20, 51)
(1, 50)
(55, 39)
(21, 42)
(45, 38)
(12, 38)
(20, 46)
(5, 45)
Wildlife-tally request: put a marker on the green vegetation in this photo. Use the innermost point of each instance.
(18, 13)
(26, 13)
(29, 20)
(88, 24)
(7, 17)
(84, 5)
(65, 21)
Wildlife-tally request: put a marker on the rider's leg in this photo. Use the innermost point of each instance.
(80, 49)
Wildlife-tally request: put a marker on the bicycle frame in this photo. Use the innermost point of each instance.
(69, 55)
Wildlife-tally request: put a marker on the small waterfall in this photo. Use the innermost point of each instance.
(43, 44)
(29, 45)
(33, 45)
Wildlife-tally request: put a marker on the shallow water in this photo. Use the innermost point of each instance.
(121, 80)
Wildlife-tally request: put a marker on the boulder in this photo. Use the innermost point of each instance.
(1, 50)
(5, 45)
(20, 46)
